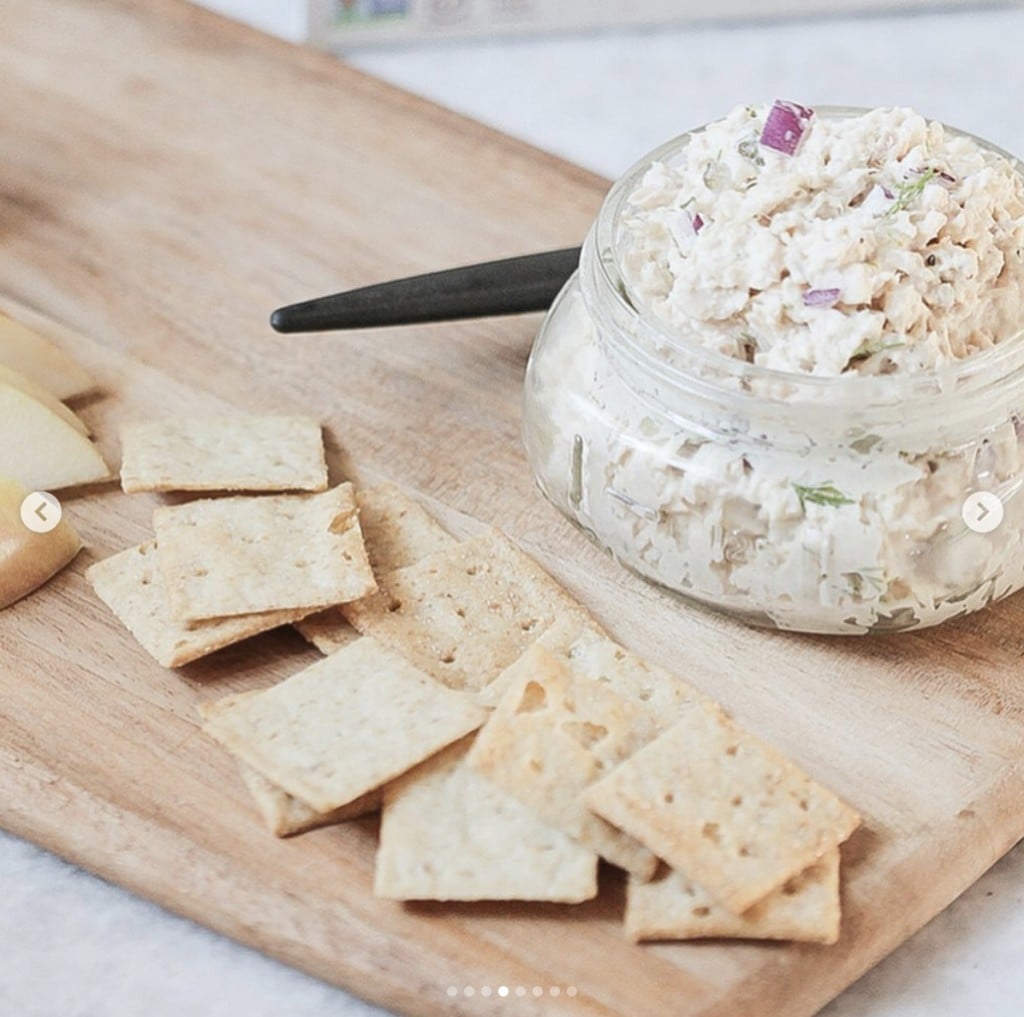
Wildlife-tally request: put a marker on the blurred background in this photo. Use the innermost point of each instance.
(603, 81)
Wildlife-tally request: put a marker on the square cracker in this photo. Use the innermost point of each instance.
(590, 652)
(555, 733)
(238, 453)
(804, 909)
(449, 834)
(131, 584)
(719, 805)
(464, 614)
(397, 531)
(284, 814)
(229, 556)
(346, 725)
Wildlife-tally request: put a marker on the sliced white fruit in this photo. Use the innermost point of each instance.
(29, 353)
(9, 376)
(28, 559)
(40, 449)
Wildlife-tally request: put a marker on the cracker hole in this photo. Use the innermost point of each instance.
(200, 573)
(528, 624)
(746, 851)
(804, 805)
(790, 888)
(536, 765)
(394, 605)
(709, 831)
(533, 698)
(620, 655)
(471, 570)
(702, 911)
(736, 801)
(448, 658)
(645, 695)
(585, 733)
(461, 612)
(668, 797)
(732, 750)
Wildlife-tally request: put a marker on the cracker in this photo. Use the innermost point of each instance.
(131, 584)
(346, 725)
(449, 834)
(552, 735)
(284, 814)
(721, 806)
(237, 555)
(327, 630)
(804, 909)
(590, 652)
(464, 614)
(397, 531)
(238, 453)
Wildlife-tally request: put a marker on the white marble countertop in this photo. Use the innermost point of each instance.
(74, 946)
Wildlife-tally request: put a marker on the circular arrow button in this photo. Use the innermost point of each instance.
(40, 512)
(982, 511)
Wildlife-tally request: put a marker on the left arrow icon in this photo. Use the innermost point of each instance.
(41, 512)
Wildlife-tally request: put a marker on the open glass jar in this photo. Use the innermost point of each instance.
(818, 504)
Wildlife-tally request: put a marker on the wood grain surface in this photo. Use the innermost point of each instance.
(166, 180)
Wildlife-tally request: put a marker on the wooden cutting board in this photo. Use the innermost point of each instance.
(166, 180)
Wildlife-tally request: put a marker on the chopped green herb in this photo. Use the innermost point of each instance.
(866, 443)
(867, 583)
(906, 193)
(821, 494)
(749, 150)
(689, 201)
(869, 349)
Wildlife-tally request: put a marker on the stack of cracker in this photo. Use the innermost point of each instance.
(222, 569)
(510, 742)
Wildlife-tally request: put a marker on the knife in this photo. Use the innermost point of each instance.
(517, 285)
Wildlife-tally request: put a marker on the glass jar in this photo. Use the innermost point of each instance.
(816, 504)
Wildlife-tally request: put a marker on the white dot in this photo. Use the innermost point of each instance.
(485, 991)
(555, 990)
(571, 991)
(538, 991)
(468, 990)
(520, 990)
(502, 990)
(452, 990)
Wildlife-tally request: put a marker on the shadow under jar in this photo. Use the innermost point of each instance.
(801, 502)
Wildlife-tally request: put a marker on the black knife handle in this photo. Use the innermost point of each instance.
(529, 282)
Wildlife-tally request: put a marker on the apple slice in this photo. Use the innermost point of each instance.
(28, 559)
(41, 450)
(9, 376)
(37, 358)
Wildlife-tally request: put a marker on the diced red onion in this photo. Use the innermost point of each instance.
(785, 125)
(821, 298)
(888, 193)
(697, 222)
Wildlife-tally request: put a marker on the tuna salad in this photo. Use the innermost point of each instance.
(869, 244)
(793, 349)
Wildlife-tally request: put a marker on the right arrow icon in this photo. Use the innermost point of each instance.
(982, 511)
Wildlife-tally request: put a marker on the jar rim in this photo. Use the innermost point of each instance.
(977, 371)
